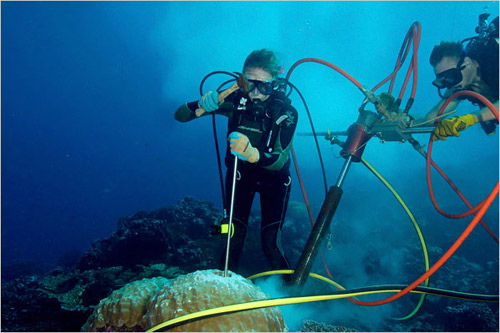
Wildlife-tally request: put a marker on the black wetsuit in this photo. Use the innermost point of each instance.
(485, 52)
(270, 127)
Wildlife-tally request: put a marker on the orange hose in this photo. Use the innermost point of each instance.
(482, 210)
(302, 187)
(479, 210)
(326, 63)
(399, 62)
(445, 257)
(472, 210)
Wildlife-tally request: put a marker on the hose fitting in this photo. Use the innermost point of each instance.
(370, 96)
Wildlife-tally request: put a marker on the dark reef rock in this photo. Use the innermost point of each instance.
(313, 326)
(167, 235)
(137, 241)
(470, 317)
(25, 307)
(64, 299)
(145, 245)
(447, 314)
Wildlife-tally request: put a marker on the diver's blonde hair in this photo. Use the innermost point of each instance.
(264, 59)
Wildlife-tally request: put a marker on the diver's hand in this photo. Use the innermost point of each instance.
(242, 148)
(453, 125)
(208, 103)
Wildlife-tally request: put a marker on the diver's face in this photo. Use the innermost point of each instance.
(468, 71)
(257, 74)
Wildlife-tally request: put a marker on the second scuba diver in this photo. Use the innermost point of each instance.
(261, 126)
(473, 67)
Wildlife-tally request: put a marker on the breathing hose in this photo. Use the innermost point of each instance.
(399, 290)
(315, 140)
(479, 210)
(214, 127)
(413, 34)
(482, 207)
(286, 83)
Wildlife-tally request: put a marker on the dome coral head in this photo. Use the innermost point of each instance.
(144, 304)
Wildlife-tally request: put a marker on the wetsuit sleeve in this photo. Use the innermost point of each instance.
(186, 112)
(281, 150)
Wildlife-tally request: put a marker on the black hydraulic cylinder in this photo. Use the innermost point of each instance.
(318, 232)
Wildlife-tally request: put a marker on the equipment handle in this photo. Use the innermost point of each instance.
(240, 82)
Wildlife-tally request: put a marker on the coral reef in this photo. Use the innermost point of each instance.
(446, 314)
(27, 308)
(470, 317)
(313, 326)
(171, 235)
(39, 297)
(124, 309)
(144, 304)
(63, 300)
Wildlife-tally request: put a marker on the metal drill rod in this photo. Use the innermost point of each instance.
(344, 133)
(229, 228)
(411, 130)
(418, 130)
(344, 170)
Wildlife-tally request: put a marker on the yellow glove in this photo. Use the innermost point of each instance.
(242, 148)
(451, 126)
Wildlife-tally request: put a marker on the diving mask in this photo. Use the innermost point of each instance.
(449, 78)
(265, 88)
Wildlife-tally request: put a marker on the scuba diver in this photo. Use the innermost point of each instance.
(473, 67)
(261, 126)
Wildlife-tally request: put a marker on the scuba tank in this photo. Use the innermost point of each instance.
(484, 49)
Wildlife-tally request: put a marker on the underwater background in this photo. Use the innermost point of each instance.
(89, 90)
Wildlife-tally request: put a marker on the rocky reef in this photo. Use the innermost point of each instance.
(166, 243)
(174, 241)
(314, 326)
(174, 235)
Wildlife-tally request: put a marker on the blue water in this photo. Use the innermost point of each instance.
(89, 90)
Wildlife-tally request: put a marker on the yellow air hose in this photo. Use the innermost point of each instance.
(307, 299)
(417, 228)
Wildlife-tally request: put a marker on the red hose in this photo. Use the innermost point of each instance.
(472, 210)
(302, 187)
(416, 45)
(326, 63)
(480, 209)
(413, 35)
(445, 257)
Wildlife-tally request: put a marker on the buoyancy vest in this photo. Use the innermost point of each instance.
(260, 122)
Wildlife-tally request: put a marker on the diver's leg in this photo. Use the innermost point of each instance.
(274, 197)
